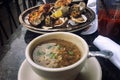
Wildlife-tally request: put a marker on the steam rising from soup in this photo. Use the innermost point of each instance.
(56, 53)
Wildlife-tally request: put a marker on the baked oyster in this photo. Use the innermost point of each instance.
(60, 3)
(76, 13)
(60, 22)
(37, 16)
(53, 23)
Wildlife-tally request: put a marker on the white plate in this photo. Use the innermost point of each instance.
(94, 25)
(23, 18)
(92, 71)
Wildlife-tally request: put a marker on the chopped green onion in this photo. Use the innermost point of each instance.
(70, 52)
(40, 53)
(52, 55)
(58, 46)
(49, 47)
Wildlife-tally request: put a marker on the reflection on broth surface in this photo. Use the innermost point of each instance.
(56, 53)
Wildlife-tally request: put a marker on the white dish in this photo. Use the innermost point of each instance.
(92, 71)
(23, 18)
(94, 25)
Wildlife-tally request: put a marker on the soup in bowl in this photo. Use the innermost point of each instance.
(57, 55)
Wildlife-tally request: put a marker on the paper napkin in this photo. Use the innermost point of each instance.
(104, 43)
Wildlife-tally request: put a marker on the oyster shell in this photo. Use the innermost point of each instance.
(82, 6)
(60, 3)
(57, 23)
(80, 19)
(60, 22)
(77, 9)
(35, 18)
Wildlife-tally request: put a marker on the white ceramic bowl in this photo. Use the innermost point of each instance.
(64, 73)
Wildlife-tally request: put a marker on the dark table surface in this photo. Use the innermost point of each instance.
(109, 70)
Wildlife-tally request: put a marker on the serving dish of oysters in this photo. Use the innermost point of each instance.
(63, 15)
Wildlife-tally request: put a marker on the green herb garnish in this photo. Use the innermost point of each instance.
(52, 55)
(59, 47)
(70, 52)
(49, 47)
(40, 53)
